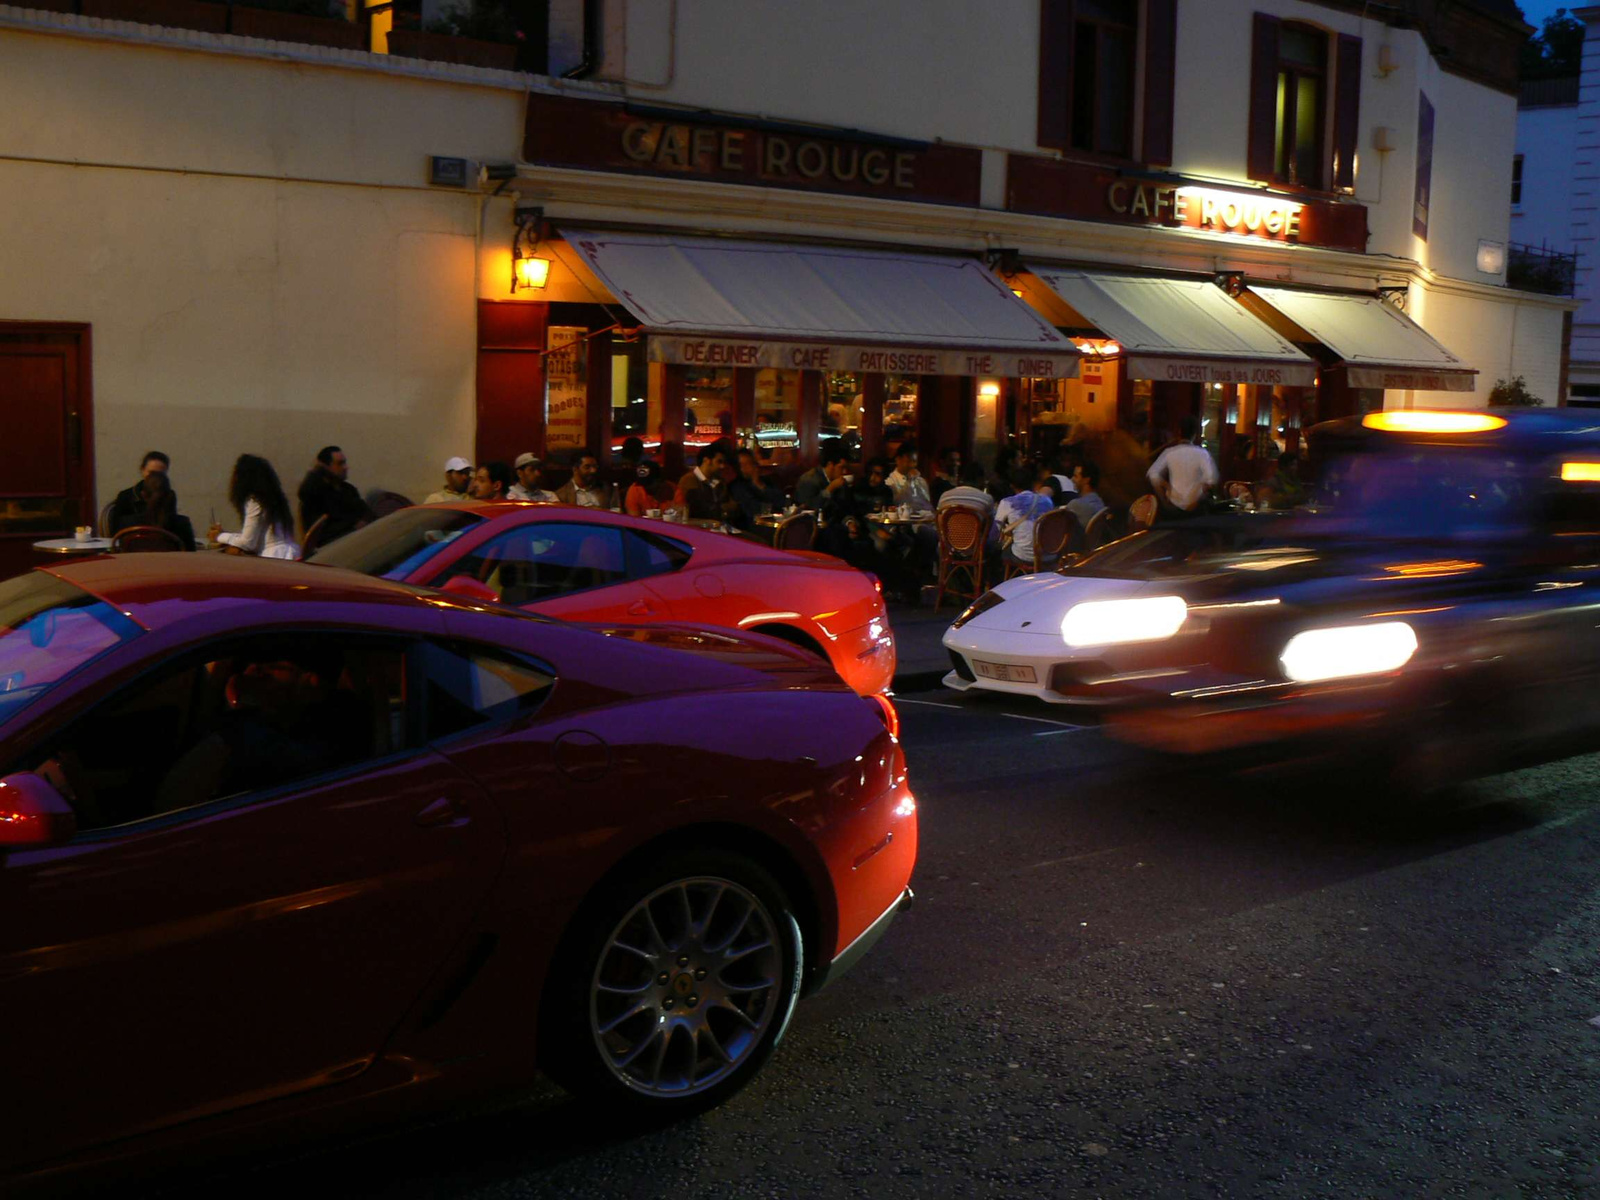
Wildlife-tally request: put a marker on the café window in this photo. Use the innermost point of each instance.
(1104, 35)
(900, 397)
(708, 405)
(1516, 182)
(777, 408)
(1301, 105)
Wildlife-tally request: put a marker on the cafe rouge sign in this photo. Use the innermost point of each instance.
(599, 136)
(897, 360)
(1091, 193)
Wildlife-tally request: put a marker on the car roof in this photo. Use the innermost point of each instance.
(158, 590)
(1526, 430)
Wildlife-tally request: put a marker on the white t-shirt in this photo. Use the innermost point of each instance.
(1026, 507)
(1188, 470)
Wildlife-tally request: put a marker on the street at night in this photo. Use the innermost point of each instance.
(1124, 978)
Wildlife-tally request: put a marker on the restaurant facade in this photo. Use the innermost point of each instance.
(753, 219)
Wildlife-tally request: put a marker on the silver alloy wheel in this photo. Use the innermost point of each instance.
(687, 987)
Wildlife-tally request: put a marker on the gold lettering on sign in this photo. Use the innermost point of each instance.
(875, 167)
(1140, 206)
(902, 170)
(674, 146)
(1117, 197)
(777, 157)
(705, 144)
(841, 172)
(811, 160)
(637, 143)
(732, 151)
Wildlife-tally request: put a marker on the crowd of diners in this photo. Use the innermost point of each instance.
(878, 514)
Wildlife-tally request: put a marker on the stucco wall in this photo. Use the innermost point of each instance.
(256, 251)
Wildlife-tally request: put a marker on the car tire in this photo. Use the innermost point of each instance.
(674, 987)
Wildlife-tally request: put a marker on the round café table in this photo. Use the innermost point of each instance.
(68, 545)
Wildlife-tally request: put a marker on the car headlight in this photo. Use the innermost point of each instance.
(1348, 650)
(1111, 622)
(981, 605)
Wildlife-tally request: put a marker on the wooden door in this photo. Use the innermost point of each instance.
(47, 444)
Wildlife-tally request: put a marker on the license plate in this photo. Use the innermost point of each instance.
(1005, 671)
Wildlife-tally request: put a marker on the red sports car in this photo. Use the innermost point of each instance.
(587, 564)
(284, 846)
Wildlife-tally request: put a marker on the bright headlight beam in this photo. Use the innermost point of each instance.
(1348, 650)
(1111, 622)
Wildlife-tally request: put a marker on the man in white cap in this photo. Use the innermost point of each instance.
(457, 474)
(527, 486)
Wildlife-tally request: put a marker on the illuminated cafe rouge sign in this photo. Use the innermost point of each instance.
(1089, 192)
(600, 136)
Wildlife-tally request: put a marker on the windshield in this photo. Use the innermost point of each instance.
(48, 630)
(398, 544)
(1182, 548)
(1422, 491)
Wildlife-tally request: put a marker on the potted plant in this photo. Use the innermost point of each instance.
(313, 22)
(477, 33)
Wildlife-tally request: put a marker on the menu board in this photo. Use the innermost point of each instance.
(566, 374)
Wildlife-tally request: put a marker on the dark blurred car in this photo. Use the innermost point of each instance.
(284, 847)
(1434, 606)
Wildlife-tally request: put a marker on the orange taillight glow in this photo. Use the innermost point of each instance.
(1432, 420)
(891, 718)
(1580, 472)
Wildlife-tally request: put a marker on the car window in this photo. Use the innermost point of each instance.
(468, 686)
(398, 544)
(542, 559)
(650, 554)
(248, 715)
(48, 630)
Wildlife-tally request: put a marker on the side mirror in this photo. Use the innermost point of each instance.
(32, 813)
(469, 588)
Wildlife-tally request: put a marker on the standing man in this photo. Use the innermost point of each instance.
(457, 475)
(530, 480)
(910, 488)
(584, 488)
(1183, 473)
(131, 500)
(492, 481)
(326, 491)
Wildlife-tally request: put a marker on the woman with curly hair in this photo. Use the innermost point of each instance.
(258, 498)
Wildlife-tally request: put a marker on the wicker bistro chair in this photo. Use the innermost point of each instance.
(1098, 531)
(1142, 512)
(963, 541)
(145, 539)
(312, 542)
(796, 532)
(1051, 533)
(103, 526)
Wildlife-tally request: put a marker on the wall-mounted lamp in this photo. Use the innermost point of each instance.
(1491, 257)
(1395, 296)
(529, 271)
(1231, 282)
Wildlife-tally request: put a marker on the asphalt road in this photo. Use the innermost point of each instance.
(1125, 980)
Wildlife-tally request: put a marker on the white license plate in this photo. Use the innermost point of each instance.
(1004, 671)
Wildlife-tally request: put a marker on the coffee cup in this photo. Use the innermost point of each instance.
(82, 533)
(653, 512)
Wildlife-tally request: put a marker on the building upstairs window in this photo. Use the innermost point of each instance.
(1516, 182)
(1305, 96)
(1089, 67)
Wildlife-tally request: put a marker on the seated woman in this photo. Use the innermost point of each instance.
(258, 498)
(158, 507)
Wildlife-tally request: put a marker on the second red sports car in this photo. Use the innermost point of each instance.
(586, 564)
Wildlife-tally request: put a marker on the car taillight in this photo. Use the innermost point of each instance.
(887, 713)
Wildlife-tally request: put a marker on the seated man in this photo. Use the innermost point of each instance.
(1017, 514)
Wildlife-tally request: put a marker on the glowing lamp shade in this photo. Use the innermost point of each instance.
(1114, 622)
(1348, 651)
(988, 388)
(1580, 472)
(1432, 420)
(531, 274)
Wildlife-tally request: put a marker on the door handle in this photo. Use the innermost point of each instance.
(446, 810)
(640, 608)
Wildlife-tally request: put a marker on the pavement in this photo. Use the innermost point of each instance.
(921, 659)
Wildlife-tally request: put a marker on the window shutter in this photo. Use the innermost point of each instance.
(1055, 72)
(1346, 111)
(1263, 96)
(1160, 65)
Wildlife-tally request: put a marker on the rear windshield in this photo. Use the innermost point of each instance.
(50, 629)
(398, 544)
(1428, 492)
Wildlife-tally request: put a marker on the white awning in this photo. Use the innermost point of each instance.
(716, 302)
(1185, 330)
(1380, 346)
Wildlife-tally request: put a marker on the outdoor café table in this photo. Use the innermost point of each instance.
(68, 545)
(894, 518)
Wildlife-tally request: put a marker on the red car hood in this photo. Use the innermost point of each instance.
(771, 656)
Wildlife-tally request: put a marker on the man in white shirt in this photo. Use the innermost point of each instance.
(1017, 514)
(1184, 473)
(529, 470)
(906, 481)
